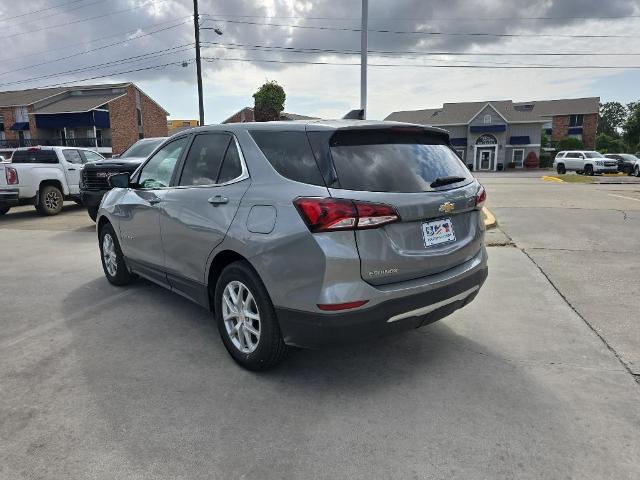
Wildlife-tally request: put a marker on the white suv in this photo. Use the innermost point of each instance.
(584, 161)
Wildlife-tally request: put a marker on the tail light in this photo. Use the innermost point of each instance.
(12, 175)
(481, 197)
(330, 214)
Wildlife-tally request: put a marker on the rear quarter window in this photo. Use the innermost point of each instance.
(34, 156)
(289, 153)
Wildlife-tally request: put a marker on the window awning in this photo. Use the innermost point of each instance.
(95, 118)
(522, 140)
(20, 126)
(488, 128)
(459, 142)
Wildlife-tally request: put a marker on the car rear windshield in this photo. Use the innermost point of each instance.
(34, 156)
(142, 149)
(393, 161)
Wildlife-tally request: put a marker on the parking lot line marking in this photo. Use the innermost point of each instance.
(622, 196)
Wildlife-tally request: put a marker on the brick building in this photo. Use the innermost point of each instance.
(246, 115)
(108, 117)
(491, 135)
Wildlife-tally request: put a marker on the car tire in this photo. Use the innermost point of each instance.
(626, 170)
(588, 170)
(637, 170)
(50, 201)
(93, 212)
(561, 169)
(4, 209)
(238, 329)
(113, 263)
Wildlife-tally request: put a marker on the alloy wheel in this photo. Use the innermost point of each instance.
(52, 200)
(109, 254)
(241, 316)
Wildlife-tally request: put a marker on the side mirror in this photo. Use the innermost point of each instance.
(119, 180)
(115, 155)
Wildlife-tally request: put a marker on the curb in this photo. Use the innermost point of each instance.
(489, 219)
(549, 178)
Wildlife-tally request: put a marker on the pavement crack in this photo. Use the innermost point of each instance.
(586, 322)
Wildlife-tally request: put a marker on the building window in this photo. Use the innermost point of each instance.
(22, 114)
(575, 120)
(487, 119)
(518, 157)
(139, 116)
(140, 136)
(460, 153)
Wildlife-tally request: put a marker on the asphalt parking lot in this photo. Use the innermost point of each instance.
(535, 379)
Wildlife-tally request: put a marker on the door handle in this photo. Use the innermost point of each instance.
(218, 200)
(71, 169)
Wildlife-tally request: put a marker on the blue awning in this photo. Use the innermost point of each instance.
(522, 140)
(575, 130)
(20, 126)
(95, 118)
(488, 128)
(459, 142)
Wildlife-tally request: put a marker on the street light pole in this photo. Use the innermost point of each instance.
(196, 26)
(363, 57)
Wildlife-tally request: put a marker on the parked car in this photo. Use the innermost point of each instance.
(94, 177)
(43, 177)
(627, 163)
(584, 161)
(301, 233)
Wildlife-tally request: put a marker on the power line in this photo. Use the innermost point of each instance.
(433, 19)
(91, 50)
(420, 32)
(571, 67)
(48, 17)
(66, 47)
(152, 67)
(39, 11)
(135, 58)
(116, 12)
(390, 52)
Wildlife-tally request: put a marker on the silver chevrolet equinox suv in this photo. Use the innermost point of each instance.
(301, 233)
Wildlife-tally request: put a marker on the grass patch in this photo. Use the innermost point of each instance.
(575, 178)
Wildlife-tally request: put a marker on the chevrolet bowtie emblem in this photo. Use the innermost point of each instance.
(447, 207)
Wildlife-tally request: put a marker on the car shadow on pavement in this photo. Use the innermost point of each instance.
(152, 364)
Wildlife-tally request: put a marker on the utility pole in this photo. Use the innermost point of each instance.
(196, 26)
(363, 57)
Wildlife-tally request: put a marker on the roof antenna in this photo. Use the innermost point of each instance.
(357, 114)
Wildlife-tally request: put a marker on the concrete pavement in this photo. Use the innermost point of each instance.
(101, 382)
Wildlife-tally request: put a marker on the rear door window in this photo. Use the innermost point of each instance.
(204, 159)
(394, 161)
(72, 156)
(290, 154)
(34, 156)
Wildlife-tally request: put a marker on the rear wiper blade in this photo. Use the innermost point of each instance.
(442, 181)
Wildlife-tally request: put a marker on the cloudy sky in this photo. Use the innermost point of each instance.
(420, 50)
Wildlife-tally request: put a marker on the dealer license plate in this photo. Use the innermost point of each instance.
(438, 232)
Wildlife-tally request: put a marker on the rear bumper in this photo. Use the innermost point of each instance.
(9, 196)
(92, 198)
(314, 330)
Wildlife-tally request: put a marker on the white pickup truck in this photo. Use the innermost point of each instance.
(43, 177)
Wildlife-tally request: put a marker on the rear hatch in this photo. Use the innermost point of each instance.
(418, 174)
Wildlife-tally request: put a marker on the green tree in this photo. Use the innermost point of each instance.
(269, 102)
(632, 126)
(608, 144)
(544, 140)
(612, 117)
(570, 143)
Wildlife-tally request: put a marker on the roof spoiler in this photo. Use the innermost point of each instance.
(357, 114)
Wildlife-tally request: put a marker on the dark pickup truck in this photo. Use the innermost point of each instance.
(94, 176)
